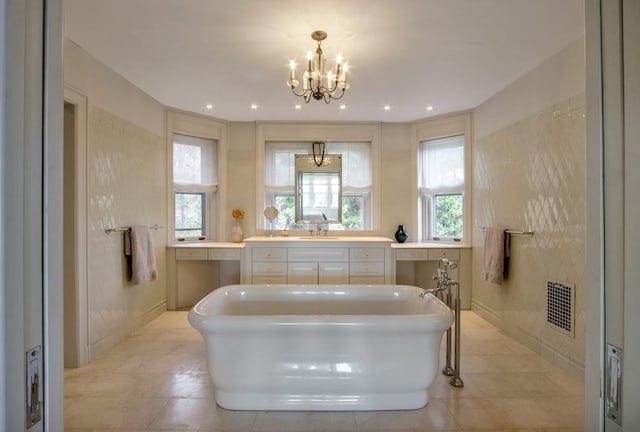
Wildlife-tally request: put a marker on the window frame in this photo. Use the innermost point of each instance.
(310, 132)
(423, 208)
(205, 213)
(215, 218)
(271, 191)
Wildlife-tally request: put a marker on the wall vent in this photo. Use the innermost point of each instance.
(560, 306)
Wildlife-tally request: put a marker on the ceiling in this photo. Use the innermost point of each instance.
(408, 54)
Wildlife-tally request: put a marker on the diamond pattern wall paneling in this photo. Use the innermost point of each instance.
(126, 186)
(531, 175)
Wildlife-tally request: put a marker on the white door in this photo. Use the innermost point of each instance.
(613, 68)
(30, 214)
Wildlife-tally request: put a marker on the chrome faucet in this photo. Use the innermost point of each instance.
(441, 277)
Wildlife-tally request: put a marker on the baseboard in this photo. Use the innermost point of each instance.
(530, 340)
(151, 314)
(123, 331)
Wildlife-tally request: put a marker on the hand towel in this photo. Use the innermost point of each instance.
(494, 255)
(138, 248)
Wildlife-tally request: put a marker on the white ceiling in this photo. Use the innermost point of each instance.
(451, 54)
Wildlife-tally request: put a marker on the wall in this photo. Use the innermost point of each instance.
(126, 185)
(529, 173)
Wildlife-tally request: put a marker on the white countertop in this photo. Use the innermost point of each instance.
(430, 245)
(321, 239)
(207, 244)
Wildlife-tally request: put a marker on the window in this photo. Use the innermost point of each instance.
(195, 182)
(441, 169)
(356, 182)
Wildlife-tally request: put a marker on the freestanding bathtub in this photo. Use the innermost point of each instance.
(321, 347)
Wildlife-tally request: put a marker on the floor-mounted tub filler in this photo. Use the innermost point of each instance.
(321, 347)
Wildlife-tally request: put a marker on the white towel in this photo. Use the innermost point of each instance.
(138, 248)
(494, 255)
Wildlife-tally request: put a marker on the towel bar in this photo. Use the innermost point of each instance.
(154, 227)
(514, 232)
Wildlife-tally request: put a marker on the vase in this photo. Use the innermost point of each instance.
(236, 232)
(401, 235)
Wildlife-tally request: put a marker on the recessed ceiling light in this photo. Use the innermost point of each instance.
(254, 106)
(429, 108)
(298, 107)
(343, 107)
(387, 107)
(209, 106)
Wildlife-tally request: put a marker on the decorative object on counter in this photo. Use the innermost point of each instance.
(236, 232)
(271, 213)
(401, 235)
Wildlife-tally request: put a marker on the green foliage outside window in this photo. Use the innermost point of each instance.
(448, 215)
(189, 214)
(351, 214)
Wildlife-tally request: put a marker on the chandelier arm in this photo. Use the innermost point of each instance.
(339, 97)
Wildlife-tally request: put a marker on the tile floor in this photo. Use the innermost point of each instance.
(157, 380)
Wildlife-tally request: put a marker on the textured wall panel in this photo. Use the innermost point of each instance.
(126, 186)
(531, 175)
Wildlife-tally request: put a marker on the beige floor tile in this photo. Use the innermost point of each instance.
(202, 414)
(435, 416)
(508, 385)
(110, 413)
(478, 414)
(305, 421)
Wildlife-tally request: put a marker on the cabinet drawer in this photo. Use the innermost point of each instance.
(266, 268)
(366, 280)
(269, 254)
(366, 254)
(412, 254)
(436, 254)
(224, 254)
(191, 254)
(366, 269)
(264, 280)
(318, 254)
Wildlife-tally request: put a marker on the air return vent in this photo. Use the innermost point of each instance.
(560, 306)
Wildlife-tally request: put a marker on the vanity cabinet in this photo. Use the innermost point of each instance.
(367, 265)
(416, 263)
(357, 260)
(269, 265)
(318, 265)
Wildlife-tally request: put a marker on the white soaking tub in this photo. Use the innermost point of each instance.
(321, 347)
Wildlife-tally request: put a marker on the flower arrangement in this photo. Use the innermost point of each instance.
(237, 214)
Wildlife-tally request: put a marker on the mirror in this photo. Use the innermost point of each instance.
(318, 189)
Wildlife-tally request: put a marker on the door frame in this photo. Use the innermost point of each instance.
(79, 101)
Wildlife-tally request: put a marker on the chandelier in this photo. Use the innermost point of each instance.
(315, 83)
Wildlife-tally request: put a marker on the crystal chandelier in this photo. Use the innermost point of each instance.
(315, 83)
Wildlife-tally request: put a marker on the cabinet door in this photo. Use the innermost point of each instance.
(333, 273)
(302, 273)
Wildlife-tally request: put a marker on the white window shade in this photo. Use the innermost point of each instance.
(194, 164)
(441, 164)
(356, 164)
(280, 163)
